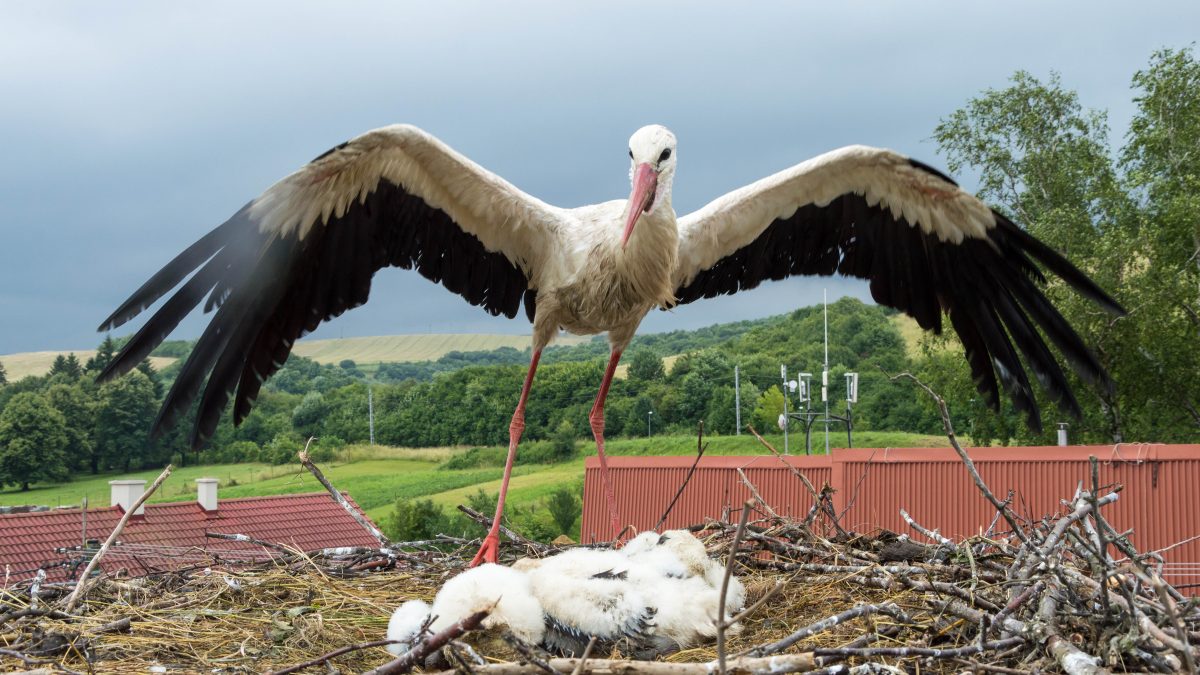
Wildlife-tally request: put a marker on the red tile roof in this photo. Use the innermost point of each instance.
(171, 535)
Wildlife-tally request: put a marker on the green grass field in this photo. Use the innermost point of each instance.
(376, 477)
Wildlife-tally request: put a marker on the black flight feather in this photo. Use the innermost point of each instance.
(990, 288)
(269, 290)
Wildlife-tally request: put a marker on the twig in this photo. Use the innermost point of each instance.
(795, 472)
(733, 549)
(487, 522)
(1072, 659)
(251, 540)
(331, 655)
(526, 650)
(771, 665)
(36, 611)
(35, 588)
(587, 651)
(825, 624)
(757, 497)
(1181, 645)
(1002, 507)
(700, 448)
(932, 534)
(338, 497)
(82, 584)
(917, 651)
(416, 656)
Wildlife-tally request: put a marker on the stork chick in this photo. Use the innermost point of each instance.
(503, 589)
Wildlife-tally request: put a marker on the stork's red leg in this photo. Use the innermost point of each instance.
(491, 543)
(597, 419)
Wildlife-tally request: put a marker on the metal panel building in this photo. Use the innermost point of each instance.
(1160, 501)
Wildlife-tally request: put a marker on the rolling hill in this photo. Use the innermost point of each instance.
(362, 350)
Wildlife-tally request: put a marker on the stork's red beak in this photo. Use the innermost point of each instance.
(645, 184)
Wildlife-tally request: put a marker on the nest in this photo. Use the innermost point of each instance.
(1066, 593)
(826, 599)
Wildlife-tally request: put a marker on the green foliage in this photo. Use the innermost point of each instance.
(563, 441)
(768, 410)
(3, 375)
(67, 366)
(124, 413)
(78, 410)
(483, 502)
(415, 520)
(104, 355)
(33, 442)
(645, 366)
(565, 507)
(307, 416)
(1127, 218)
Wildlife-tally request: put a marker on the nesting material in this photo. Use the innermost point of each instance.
(1041, 596)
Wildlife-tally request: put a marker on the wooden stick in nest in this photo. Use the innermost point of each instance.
(416, 656)
(338, 497)
(82, 584)
(332, 655)
(701, 446)
(487, 522)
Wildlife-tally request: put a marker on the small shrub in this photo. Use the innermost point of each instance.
(565, 508)
(413, 520)
(476, 458)
(563, 441)
(533, 522)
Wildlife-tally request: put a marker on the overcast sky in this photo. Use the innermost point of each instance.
(130, 129)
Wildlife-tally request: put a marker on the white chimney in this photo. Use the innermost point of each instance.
(126, 492)
(206, 493)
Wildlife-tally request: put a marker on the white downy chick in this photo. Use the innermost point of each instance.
(679, 554)
(470, 592)
(588, 592)
(405, 625)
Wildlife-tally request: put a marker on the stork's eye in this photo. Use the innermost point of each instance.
(631, 153)
(666, 154)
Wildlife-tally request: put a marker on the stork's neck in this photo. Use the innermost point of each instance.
(648, 260)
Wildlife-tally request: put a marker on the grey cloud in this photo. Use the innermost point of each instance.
(130, 130)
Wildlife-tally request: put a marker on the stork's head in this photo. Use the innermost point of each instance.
(651, 169)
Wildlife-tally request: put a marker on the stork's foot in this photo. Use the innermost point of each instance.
(487, 551)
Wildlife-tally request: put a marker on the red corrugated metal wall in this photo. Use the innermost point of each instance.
(644, 488)
(1160, 500)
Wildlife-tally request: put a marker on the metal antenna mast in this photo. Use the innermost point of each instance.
(825, 372)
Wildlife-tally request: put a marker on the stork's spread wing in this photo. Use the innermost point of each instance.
(307, 248)
(926, 246)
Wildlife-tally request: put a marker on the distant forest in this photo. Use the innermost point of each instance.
(1125, 215)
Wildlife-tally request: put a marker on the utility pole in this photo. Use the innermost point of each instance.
(371, 413)
(825, 372)
(737, 402)
(649, 415)
(784, 423)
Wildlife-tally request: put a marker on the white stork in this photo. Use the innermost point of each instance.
(306, 249)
